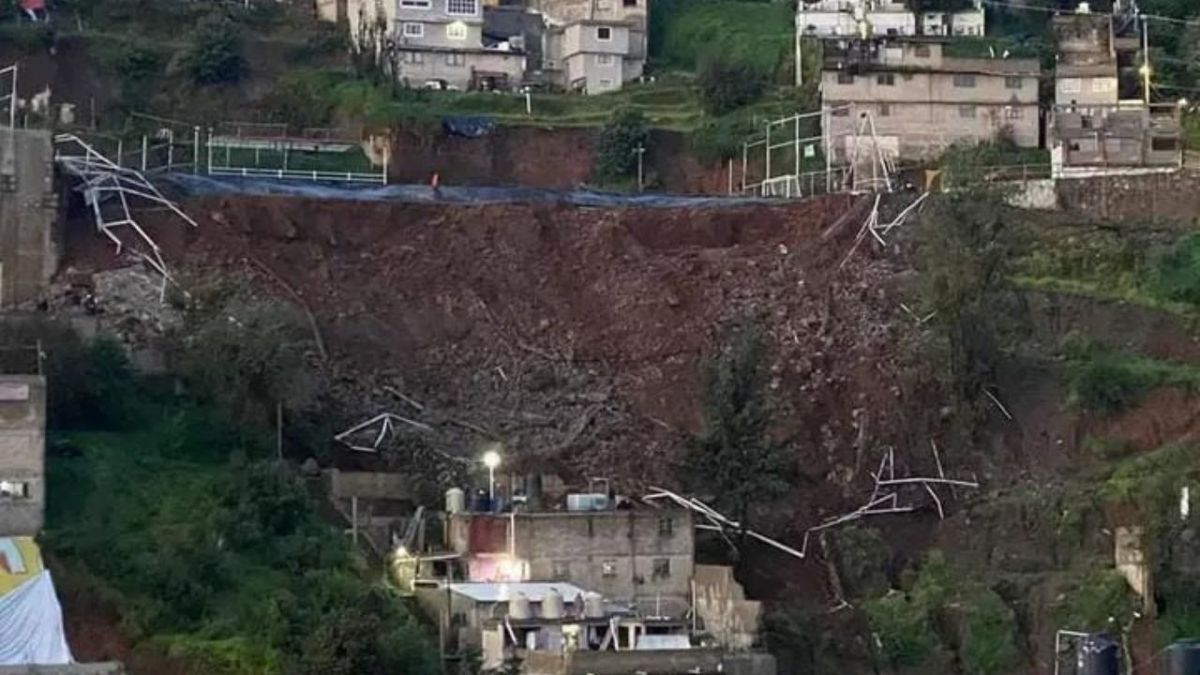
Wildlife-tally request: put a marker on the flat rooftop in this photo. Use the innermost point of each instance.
(535, 591)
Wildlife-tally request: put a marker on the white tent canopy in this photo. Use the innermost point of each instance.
(31, 625)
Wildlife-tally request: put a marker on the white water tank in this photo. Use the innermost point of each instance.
(593, 606)
(552, 605)
(588, 501)
(518, 607)
(456, 500)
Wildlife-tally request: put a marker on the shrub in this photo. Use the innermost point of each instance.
(902, 626)
(1100, 601)
(617, 145)
(988, 641)
(861, 556)
(215, 53)
(300, 100)
(1177, 275)
(728, 83)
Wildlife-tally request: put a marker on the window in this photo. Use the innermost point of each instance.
(662, 568)
(845, 78)
(604, 59)
(1101, 85)
(14, 489)
(1070, 85)
(840, 112)
(629, 3)
(1085, 121)
(1164, 144)
(561, 570)
(1012, 112)
(666, 527)
(608, 568)
(964, 81)
(462, 7)
(606, 83)
(456, 60)
(886, 79)
(456, 31)
(921, 51)
(412, 58)
(416, 4)
(885, 110)
(603, 33)
(1012, 83)
(414, 30)
(966, 111)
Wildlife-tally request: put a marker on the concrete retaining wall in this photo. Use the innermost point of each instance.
(28, 206)
(1160, 198)
(73, 669)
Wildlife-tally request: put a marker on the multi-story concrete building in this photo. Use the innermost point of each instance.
(642, 557)
(920, 101)
(22, 454)
(590, 46)
(873, 18)
(437, 43)
(1115, 138)
(1086, 72)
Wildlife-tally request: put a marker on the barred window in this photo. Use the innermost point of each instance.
(462, 7)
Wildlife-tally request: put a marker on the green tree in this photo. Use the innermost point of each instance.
(215, 53)
(733, 459)
(966, 253)
(728, 83)
(901, 624)
(618, 144)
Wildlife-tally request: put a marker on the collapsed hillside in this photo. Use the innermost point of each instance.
(574, 336)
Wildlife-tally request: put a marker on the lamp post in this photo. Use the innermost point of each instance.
(491, 459)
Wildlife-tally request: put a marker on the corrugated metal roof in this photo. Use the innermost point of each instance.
(505, 591)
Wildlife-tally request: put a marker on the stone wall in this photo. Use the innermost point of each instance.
(28, 205)
(22, 454)
(1160, 198)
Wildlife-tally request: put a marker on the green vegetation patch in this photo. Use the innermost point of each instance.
(757, 33)
(1107, 382)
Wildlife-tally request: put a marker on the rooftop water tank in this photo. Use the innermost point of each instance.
(518, 607)
(588, 501)
(1099, 655)
(552, 605)
(593, 606)
(1182, 658)
(456, 500)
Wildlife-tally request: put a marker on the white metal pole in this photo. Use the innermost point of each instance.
(145, 151)
(796, 149)
(767, 175)
(826, 120)
(491, 484)
(1145, 60)
(12, 103)
(210, 150)
(196, 149)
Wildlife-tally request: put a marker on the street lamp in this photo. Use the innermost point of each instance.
(491, 459)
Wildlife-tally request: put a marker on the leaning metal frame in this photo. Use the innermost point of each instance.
(101, 179)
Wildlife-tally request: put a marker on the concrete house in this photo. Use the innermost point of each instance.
(593, 46)
(920, 101)
(437, 43)
(22, 454)
(873, 18)
(641, 557)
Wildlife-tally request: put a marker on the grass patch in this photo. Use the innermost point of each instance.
(757, 33)
(1107, 382)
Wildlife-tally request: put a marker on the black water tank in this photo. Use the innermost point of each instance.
(1099, 655)
(1182, 658)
